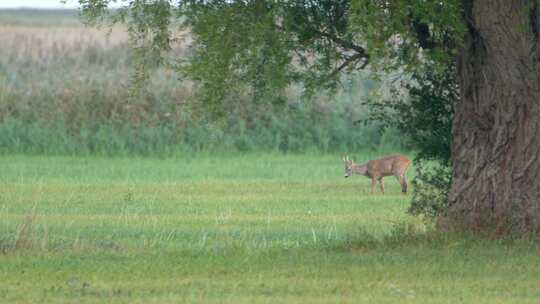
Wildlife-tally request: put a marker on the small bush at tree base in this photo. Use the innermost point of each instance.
(431, 185)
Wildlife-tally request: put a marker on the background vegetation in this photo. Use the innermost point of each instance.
(67, 89)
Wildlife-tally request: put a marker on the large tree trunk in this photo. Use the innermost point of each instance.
(495, 153)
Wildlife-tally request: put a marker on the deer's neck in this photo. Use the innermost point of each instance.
(360, 169)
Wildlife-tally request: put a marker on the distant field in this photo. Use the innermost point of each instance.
(33, 17)
(234, 229)
(66, 88)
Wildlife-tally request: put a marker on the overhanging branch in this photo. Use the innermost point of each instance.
(350, 60)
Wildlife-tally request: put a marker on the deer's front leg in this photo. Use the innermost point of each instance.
(404, 185)
(382, 185)
(373, 182)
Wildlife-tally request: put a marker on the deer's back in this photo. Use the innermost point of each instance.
(388, 165)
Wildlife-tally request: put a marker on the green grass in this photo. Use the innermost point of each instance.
(234, 229)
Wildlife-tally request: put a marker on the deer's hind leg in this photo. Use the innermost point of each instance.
(381, 183)
(402, 181)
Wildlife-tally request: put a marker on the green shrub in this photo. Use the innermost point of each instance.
(431, 185)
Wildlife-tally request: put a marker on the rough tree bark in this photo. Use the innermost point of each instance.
(496, 130)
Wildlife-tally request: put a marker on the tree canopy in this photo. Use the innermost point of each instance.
(264, 46)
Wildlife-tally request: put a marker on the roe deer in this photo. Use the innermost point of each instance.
(376, 169)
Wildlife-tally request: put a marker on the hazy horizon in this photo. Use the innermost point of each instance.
(40, 4)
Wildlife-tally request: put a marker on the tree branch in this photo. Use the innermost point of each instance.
(347, 45)
(353, 59)
(343, 43)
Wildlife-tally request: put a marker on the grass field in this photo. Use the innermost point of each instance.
(234, 229)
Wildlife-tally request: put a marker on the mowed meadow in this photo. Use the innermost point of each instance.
(234, 229)
(89, 214)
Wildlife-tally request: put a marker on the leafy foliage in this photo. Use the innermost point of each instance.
(422, 107)
(237, 48)
(264, 46)
(431, 186)
(148, 26)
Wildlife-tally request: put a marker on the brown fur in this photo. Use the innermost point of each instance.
(376, 169)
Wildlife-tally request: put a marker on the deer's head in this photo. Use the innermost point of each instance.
(349, 164)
